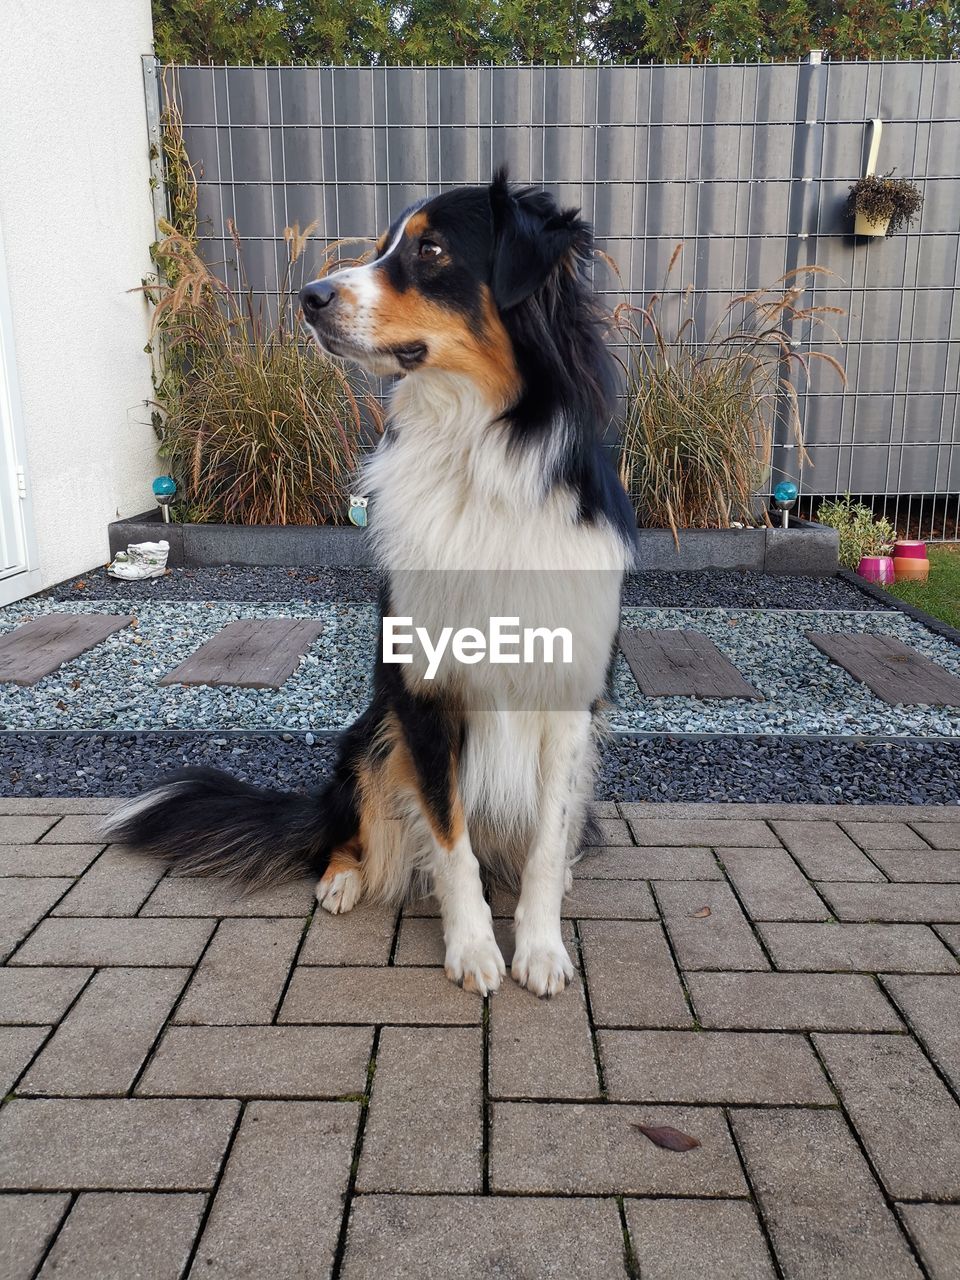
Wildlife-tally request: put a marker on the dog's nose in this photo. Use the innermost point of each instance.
(315, 297)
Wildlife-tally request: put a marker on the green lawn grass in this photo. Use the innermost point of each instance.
(940, 595)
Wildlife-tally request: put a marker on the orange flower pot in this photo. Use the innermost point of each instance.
(909, 569)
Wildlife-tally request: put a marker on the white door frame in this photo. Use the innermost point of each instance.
(24, 579)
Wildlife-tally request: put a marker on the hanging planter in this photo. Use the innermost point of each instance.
(879, 203)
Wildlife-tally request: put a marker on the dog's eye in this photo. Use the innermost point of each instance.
(429, 249)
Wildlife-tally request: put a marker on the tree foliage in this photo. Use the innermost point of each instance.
(501, 31)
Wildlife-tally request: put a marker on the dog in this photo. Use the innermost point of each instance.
(489, 490)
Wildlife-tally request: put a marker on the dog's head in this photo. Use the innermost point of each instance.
(446, 275)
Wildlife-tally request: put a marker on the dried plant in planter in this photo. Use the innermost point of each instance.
(880, 199)
(697, 436)
(258, 426)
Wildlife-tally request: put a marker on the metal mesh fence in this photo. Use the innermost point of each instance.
(747, 165)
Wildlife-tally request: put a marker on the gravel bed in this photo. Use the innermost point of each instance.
(763, 770)
(226, 583)
(115, 685)
(718, 588)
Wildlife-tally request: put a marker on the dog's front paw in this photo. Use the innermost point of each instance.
(476, 964)
(543, 968)
(339, 891)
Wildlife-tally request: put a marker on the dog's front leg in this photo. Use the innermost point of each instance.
(472, 955)
(540, 960)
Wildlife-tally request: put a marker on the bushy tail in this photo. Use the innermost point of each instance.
(205, 823)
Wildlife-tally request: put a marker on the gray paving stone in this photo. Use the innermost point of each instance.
(105, 1038)
(882, 835)
(476, 1238)
(24, 829)
(259, 1062)
(604, 809)
(825, 1214)
(570, 1149)
(712, 1066)
(612, 831)
(424, 1129)
(739, 833)
(362, 936)
(931, 1005)
(38, 997)
(136, 1144)
(75, 828)
(420, 941)
(907, 1120)
(791, 1002)
(721, 940)
(116, 885)
(541, 1048)
(894, 902)
(825, 851)
(863, 948)
(119, 1235)
(407, 996)
(27, 1223)
(115, 940)
(941, 835)
(771, 886)
(56, 805)
(24, 902)
(425, 906)
(242, 974)
(593, 900)
(202, 896)
(631, 975)
(679, 1239)
(46, 859)
(950, 933)
(17, 1047)
(935, 1230)
(277, 1211)
(647, 864)
(932, 865)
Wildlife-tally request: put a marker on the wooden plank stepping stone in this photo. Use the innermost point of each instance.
(890, 669)
(685, 664)
(32, 651)
(259, 653)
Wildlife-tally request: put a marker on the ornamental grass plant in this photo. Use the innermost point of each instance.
(258, 426)
(697, 436)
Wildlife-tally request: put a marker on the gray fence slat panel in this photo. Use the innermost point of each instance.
(713, 155)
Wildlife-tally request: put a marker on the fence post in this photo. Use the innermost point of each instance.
(152, 101)
(801, 236)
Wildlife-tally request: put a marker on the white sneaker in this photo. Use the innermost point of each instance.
(140, 560)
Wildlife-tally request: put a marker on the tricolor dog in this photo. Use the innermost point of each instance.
(491, 497)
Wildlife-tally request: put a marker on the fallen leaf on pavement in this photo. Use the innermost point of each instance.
(663, 1135)
(701, 914)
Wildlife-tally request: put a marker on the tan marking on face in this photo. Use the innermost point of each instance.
(418, 225)
(404, 319)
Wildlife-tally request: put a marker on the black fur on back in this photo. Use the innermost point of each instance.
(558, 331)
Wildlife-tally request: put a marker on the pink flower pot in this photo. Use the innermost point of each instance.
(877, 569)
(910, 551)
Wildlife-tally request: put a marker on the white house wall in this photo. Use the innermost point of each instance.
(75, 206)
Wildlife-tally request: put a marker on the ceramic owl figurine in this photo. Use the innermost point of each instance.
(357, 511)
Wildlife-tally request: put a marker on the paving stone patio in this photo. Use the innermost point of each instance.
(196, 1085)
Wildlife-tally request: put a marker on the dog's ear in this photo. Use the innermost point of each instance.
(531, 237)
